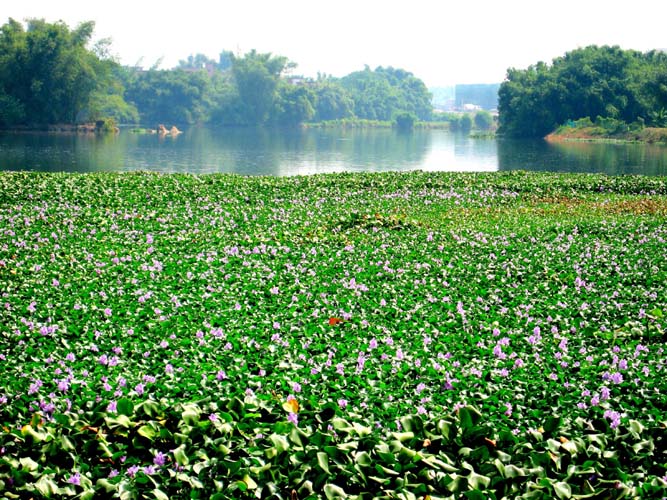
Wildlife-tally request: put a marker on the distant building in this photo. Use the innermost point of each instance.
(482, 95)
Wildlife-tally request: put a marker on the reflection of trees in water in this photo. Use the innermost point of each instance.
(53, 152)
(275, 151)
(293, 151)
(466, 146)
(582, 157)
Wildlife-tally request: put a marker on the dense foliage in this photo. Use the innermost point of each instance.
(48, 75)
(341, 336)
(385, 92)
(590, 82)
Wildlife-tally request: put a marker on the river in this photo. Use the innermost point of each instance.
(252, 151)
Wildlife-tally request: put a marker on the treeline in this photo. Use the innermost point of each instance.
(49, 74)
(603, 84)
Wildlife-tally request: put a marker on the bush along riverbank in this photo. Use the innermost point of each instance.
(608, 130)
(399, 335)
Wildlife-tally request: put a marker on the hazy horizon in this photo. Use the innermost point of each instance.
(441, 43)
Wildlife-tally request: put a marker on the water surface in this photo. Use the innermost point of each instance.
(252, 151)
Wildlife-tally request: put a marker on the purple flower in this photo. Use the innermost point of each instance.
(107, 312)
(614, 416)
(139, 388)
(113, 473)
(75, 479)
(342, 403)
(111, 407)
(149, 470)
(132, 470)
(293, 418)
(160, 459)
(604, 393)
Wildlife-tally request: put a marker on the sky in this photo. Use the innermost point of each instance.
(441, 42)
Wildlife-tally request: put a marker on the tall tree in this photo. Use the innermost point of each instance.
(257, 76)
(170, 96)
(591, 82)
(47, 72)
(386, 92)
(332, 101)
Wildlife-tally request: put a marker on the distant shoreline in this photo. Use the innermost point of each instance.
(647, 135)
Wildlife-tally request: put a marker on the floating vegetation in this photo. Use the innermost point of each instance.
(400, 335)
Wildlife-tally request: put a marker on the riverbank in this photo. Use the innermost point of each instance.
(647, 135)
(98, 127)
(330, 336)
(359, 123)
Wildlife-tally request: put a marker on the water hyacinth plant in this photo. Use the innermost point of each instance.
(399, 335)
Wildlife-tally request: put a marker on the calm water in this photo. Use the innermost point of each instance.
(283, 152)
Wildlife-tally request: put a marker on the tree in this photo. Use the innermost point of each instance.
(294, 105)
(196, 63)
(256, 76)
(47, 72)
(170, 96)
(483, 120)
(465, 123)
(591, 82)
(381, 94)
(332, 101)
(405, 121)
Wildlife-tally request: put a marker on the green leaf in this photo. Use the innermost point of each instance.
(363, 459)
(332, 492)
(412, 423)
(147, 431)
(552, 424)
(28, 464)
(478, 481)
(190, 414)
(636, 426)
(280, 442)
(403, 436)
(124, 406)
(180, 456)
(250, 483)
(118, 421)
(46, 486)
(160, 495)
(562, 489)
(323, 461)
(469, 416)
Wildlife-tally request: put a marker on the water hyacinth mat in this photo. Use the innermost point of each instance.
(400, 335)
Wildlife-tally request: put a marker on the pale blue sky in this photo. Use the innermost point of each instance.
(441, 42)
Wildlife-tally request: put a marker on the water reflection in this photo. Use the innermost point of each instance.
(251, 151)
(582, 157)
